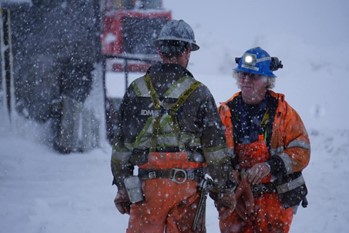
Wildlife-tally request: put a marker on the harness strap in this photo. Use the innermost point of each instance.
(152, 91)
(181, 100)
(172, 111)
(175, 174)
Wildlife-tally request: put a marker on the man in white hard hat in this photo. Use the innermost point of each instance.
(171, 130)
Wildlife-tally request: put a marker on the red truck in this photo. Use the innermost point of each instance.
(54, 56)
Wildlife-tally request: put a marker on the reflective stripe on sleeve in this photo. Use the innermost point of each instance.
(276, 151)
(121, 156)
(287, 162)
(299, 143)
(214, 155)
(293, 184)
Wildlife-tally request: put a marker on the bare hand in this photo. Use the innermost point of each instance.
(257, 173)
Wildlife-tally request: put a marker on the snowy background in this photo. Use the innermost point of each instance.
(45, 192)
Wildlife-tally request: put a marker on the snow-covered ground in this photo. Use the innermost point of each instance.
(45, 192)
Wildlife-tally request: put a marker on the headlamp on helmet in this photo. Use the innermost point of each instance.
(249, 59)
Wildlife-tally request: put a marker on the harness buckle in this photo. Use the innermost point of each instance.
(179, 176)
(152, 175)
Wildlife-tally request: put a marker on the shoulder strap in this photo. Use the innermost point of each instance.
(184, 96)
(152, 91)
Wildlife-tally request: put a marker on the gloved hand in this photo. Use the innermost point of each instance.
(226, 200)
(244, 198)
(256, 173)
(122, 202)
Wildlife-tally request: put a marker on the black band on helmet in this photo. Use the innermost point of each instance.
(172, 48)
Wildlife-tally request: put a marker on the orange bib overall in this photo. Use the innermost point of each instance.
(269, 216)
(168, 206)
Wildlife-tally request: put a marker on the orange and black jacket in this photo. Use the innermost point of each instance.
(287, 139)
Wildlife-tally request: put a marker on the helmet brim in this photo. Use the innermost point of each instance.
(194, 46)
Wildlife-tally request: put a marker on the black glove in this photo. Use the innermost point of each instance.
(122, 202)
(226, 200)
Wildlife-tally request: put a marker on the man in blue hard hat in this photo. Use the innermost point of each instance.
(271, 147)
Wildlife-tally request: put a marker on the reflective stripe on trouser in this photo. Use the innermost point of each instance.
(168, 207)
(269, 217)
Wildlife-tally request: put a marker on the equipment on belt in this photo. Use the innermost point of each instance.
(204, 187)
(134, 189)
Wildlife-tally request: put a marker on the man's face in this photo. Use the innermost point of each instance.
(253, 87)
(183, 60)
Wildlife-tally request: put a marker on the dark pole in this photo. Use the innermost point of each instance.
(7, 57)
(1, 50)
(126, 72)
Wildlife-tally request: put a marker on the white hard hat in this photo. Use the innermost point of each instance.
(178, 30)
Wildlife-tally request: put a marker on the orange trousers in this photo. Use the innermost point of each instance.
(269, 217)
(168, 207)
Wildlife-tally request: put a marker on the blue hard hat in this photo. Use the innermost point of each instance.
(255, 61)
